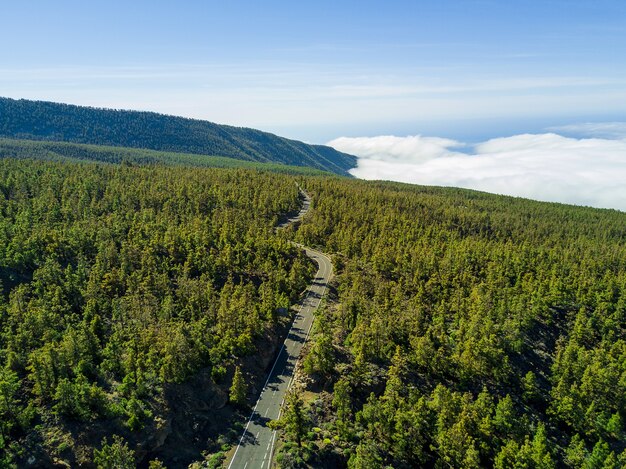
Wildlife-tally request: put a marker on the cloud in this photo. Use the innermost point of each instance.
(412, 149)
(610, 130)
(547, 167)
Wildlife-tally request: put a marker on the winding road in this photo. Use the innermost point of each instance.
(256, 445)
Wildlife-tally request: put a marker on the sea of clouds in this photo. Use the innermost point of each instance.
(589, 169)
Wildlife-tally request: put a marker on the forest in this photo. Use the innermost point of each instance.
(462, 329)
(41, 120)
(122, 283)
(77, 152)
(465, 330)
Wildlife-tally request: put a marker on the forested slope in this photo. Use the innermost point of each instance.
(463, 330)
(129, 297)
(40, 120)
(469, 330)
(77, 152)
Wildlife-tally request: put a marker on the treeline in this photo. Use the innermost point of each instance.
(470, 330)
(119, 281)
(75, 152)
(40, 120)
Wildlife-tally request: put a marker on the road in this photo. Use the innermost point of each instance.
(256, 445)
(306, 204)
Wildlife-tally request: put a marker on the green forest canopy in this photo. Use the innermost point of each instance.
(78, 152)
(41, 120)
(471, 330)
(465, 329)
(118, 281)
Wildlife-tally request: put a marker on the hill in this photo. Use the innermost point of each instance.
(143, 289)
(462, 329)
(465, 330)
(41, 120)
(79, 152)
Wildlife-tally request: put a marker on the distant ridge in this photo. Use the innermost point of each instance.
(42, 120)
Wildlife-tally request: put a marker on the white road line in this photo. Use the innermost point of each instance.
(273, 440)
(258, 400)
(306, 306)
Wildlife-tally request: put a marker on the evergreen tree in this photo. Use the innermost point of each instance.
(9, 402)
(238, 389)
(294, 420)
(116, 455)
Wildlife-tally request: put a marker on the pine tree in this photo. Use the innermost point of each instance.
(541, 449)
(116, 455)
(295, 420)
(530, 388)
(9, 385)
(238, 389)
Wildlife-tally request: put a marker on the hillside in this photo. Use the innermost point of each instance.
(466, 330)
(129, 296)
(78, 152)
(462, 329)
(39, 120)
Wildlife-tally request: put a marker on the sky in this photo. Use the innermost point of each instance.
(477, 73)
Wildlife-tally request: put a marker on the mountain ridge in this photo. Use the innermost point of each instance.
(50, 121)
(82, 152)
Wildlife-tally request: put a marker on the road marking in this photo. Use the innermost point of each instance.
(305, 307)
(273, 440)
(264, 386)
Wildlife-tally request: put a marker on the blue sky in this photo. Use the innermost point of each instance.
(320, 70)
(520, 97)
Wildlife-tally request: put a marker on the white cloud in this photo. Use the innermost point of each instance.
(412, 149)
(611, 130)
(546, 167)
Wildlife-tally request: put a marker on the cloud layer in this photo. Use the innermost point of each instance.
(549, 167)
(611, 130)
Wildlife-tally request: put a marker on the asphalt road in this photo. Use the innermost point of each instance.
(257, 442)
(306, 204)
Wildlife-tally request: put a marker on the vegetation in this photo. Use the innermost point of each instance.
(74, 152)
(238, 389)
(39, 120)
(463, 329)
(119, 282)
(469, 330)
(116, 455)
